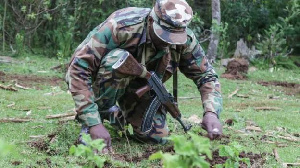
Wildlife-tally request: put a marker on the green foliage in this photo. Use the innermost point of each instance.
(281, 62)
(247, 18)
(224, 42)
(197, 24)
(19, 40)
(232, 151)
(59, 26)
(274, 43)
(190, 151)
(89, 151)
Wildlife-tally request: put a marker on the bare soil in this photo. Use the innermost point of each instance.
(256, 160)
(289, 88)
(42, 144)
(236, 69)
(30, 80)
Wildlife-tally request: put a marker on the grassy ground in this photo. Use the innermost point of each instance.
(45, 99)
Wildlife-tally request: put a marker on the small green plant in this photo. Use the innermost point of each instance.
(232, 151)
(190, 152)
(19, 39)
(224, 39)
(89, 151)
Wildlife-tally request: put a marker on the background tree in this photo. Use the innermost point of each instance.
(214, 38)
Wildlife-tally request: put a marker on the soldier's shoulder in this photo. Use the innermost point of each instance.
(130, 16)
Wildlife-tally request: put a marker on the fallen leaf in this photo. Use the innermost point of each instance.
(290, 164)
(274, 97)
(253, 128)
(194, 119)
(276, 155)
(233, 93)
(28, 112)
(49, 94)
(250, 123)
(36, 136)
(21, 87)
(42, 71)
(9, 87)
(12, 104)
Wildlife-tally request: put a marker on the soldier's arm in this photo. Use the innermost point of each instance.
(84, 67)
(194, 65)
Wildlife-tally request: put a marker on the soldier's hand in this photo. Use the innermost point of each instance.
(212, 125)
(100, 132)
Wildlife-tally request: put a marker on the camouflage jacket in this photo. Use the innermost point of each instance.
(127, 29)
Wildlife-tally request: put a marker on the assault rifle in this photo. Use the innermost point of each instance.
(128, 66)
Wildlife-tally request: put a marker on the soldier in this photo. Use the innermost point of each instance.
(160, 40)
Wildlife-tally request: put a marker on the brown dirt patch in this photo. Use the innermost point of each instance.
(43, 143)
(289, 88)
(256, 160)
(31, 81)
(236, 69)
(16, 163)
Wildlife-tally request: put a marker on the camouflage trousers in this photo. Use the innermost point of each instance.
(111, 89)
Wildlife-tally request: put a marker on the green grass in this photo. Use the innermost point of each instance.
(240, 109)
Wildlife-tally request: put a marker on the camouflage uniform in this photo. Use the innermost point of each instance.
(95, 88)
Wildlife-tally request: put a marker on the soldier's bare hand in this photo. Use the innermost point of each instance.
(100, 132)
(212, 125)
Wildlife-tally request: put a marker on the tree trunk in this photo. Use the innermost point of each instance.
(3, 25)
(214, 38)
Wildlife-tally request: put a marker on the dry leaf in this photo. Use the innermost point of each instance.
(28, 112)
(253, 128)
(9, 87)
(12, 104)
(21, 87)
(233, 93)
(194, 119)
(36, 136)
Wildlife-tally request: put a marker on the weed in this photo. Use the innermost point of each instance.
(89, 151)
(190, 152)
(232, 151)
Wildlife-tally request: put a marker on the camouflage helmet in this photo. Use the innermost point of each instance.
(171, 18)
